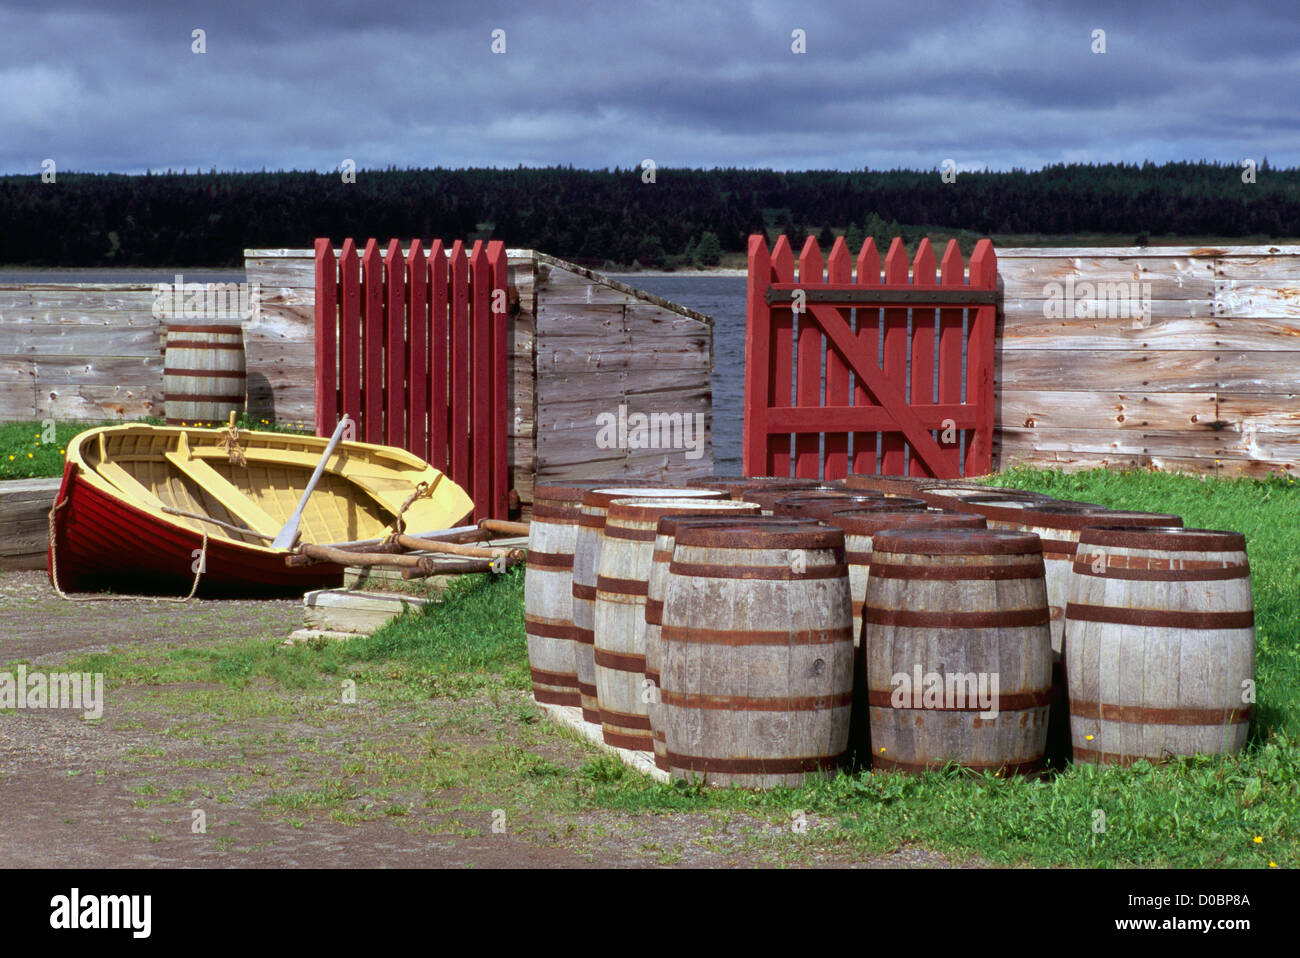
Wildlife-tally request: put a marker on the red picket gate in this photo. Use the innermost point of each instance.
(414, 350)
(931, 419)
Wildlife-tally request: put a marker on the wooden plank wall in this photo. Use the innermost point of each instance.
(1206, 380)
(602, 345)
(280, 346)
(79, 351)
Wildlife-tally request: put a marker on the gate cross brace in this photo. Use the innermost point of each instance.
(864, 365)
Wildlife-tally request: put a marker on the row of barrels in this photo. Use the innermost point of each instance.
(758, 631)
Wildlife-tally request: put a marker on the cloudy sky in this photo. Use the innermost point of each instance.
(116, 86)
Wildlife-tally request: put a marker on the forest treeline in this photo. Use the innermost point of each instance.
(684, 215)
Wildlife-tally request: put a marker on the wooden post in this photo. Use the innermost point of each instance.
(438, 359)
(894, 366)
(923, 350)
(867, 333)
(496, 251)
(980, 359)
(951, 332)
(481, 383)
(839, 269)
(371, 426)
(781, 383)
(395, 402)
(350, 352)
(758, 337)
(459, 374)
(417, 368)
(808, 383)
(327, 338)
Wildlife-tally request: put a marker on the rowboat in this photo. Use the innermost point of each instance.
(141, 508)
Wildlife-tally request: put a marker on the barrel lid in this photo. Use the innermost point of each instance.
(669, 525)
(601, 497)
(957, 542)
(646, 510)
(1074, 516)
(566, 491)
(760, 532)
(812, 503)
(1164, 538)
(867, 522)
(769, 495)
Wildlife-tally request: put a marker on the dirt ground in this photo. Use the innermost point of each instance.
(125, 791)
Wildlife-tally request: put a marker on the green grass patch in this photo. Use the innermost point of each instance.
(36, 449)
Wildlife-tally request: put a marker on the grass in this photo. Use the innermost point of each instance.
(443, 734)
(36, 449)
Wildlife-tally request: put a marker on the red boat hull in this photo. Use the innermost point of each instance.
(105, 543)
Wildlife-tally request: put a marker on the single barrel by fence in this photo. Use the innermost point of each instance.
(548, 592)
(586, 563)
(757, 678)
(958, 652)
(203, 374)
(1159, 643)
(665, 540)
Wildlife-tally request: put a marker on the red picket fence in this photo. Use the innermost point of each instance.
(834, 367)
(414, 350)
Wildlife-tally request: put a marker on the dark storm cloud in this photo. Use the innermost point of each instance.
(309, 85)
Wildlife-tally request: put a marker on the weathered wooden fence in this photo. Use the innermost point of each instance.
(1177, 358)
(869, 376)
(413, 349)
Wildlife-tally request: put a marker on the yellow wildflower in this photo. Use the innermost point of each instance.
(1259, 839)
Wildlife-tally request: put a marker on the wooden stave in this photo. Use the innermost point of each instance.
(913, 739)
(1171, 716)
(686, 726)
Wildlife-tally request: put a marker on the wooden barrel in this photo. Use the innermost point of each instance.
(203, 374)
(859, 527)
(757, 653)
(548, 591)
(1159, 643)
(958, 651)
(739, 487)
(821, 507)
(586, 563)
(665, 540)
(1058, 524)
(622, 590)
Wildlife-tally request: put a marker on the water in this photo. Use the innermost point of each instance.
(723, 298)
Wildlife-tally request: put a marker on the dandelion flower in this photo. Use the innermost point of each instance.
(1259, 839)
(1088, 737)
(30, 456)
(1272, 864)
(882, 750)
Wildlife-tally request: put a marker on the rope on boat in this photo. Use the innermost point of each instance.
(54, 571)
(229, 441)
(422, 491)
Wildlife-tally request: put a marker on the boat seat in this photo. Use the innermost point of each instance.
(130, 485)
(236, 501)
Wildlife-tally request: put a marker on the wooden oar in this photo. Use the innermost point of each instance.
(284, 539)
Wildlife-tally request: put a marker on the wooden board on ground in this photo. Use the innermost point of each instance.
(24, 521)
